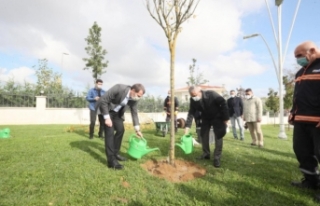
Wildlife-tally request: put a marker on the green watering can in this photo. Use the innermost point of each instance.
(138, 147)
(186, 144)
(5, 133)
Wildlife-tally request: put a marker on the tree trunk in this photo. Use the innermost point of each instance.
(172, 45)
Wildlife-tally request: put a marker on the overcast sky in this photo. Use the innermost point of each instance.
(137, 47)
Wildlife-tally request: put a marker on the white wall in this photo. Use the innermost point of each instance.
(42, 115)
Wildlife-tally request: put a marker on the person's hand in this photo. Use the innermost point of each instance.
(226, 122)
(97, 98)
(108, 122)
(186, 131)
(139, 134)
(259, 120)
(168, 113)
(290, 120)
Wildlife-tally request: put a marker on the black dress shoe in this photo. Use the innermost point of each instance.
(202, 157)
(120, 158)
(305, 184)
(115, 165)
(216, 163)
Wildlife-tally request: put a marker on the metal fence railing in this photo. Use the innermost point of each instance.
(53, 101)
(66, 102)
(75, 101)
(17, 100)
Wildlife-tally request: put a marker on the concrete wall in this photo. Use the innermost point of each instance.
(42, 115)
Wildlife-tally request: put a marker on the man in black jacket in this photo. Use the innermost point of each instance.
(235, 106)
(214, 112)
(167, 109)
(305, 115)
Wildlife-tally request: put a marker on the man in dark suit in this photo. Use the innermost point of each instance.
(113, 105)
(235, 106)
(167, 109)
(214, 112)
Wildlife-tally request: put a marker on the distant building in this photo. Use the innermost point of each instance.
(183, 93)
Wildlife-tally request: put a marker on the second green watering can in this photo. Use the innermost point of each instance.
(5, 133)
(138, 147)
(186, 144)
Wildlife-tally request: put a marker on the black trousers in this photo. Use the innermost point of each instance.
(168, 119)
(306, 146)
(113, 136)
(93, 116)
(219, 129)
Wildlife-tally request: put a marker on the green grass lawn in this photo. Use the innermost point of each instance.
(45, 165)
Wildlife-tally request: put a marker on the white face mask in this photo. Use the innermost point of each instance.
(196, 98)
(232, 95)
(135, 98)
(99, 86)
(248, 96)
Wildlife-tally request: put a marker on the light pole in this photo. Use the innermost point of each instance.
(282, 133)
(62, 58)
(279, 70)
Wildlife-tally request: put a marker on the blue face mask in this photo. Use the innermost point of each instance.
(303, 61)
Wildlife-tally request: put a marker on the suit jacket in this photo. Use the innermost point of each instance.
(167, 106)
(252, 110)
(113, 97)
(212, 107)
(235, 106)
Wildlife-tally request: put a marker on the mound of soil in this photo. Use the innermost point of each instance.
(181, 171)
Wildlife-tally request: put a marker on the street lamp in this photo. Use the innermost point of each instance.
(62, 58)
(279, 70)
(282, 133)
(279, 2)
(273, 61)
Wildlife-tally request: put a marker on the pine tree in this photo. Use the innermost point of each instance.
(94, 50)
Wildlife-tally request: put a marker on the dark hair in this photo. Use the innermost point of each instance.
(248, 90)
(99, 80)
(138, 87)
(232, 91)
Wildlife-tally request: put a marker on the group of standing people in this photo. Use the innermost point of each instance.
(248, 110)
(208, 107)
(216, 111)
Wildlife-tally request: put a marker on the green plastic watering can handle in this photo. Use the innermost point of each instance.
(135, 136)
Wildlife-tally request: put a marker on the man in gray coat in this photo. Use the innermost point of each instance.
(112, 106)
(252, 114)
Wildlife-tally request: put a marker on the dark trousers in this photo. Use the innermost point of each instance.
(113, 136)
(219, 129)
(93, 117)
(168, 119)
(306, 146)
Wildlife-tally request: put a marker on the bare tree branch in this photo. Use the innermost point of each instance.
(170, 14)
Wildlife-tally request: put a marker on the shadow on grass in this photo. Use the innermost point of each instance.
(266, 149)
(90, 147)
(239, 193)
(82, 133)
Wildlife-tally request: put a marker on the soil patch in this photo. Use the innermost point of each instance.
(181, 171)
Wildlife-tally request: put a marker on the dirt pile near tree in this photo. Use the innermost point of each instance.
(182, 171)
